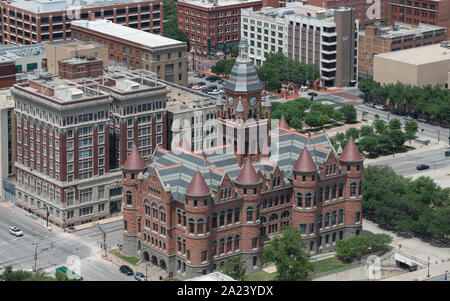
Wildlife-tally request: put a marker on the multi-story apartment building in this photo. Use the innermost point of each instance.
(377, 39)
(366, 11)
(187, 213)
(34, 21)
(7, 144)
(213, 26)
(434, 12)
(7, 72)
(328, 38)
(136, 49)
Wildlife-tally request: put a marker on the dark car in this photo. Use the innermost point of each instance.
(422, 120)
(201, 75)
(220, 81)
(126, 270)
(422, 167)
(211, 88)
(201, 83)
(212, 78)
(447, 153)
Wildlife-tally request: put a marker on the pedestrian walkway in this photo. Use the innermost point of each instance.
(98, 223)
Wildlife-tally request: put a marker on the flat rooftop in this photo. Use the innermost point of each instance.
(220, 3)
(296, 9)
(181, 100)
(18, 51)
(405, 30)
(48, 6)
(75, 45)
(146, 39)
(419, 55)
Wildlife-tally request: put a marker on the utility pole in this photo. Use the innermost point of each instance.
(47, 215)
(428, 267)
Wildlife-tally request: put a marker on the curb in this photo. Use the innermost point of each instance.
(107, 221)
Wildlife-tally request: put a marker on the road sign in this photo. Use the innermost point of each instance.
(100, 228)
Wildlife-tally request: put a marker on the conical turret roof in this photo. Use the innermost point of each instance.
(134, 160)
(197, 186)
(351, 152)
(248, 174)
(283, 123)
(305, 162)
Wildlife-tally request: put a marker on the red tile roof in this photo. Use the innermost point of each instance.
(351, 152)
(284, 124)
(305, 162)
(197, 186)
(134, 160)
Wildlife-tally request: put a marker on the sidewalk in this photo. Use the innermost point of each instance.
(97, 223)
(119, 261)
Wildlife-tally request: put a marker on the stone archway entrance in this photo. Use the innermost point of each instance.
(162, 264)
(154, 260)
(146, 256)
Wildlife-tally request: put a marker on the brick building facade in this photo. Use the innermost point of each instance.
(377, 39)
(135, 49)
(213, 26)
(30, 22)
(187, 213)
(434, 12)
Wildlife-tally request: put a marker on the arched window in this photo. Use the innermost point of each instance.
(214, 221)
(249, 214)
(273, 217)
(191, 226)
(236, 215)
(352, 189)
(278, 181)
(207, 224)
(200, 226)
(333, 193)
(285, 214)
(320, 195)
(230, 244)
(129, 198)
(229, 217)
(308, 200)
(319, 222)
(222, 218)
(327, 218)
(327, 193)
(265, 204)
(299, 200)
(341, 216)
(179, 244)
(236, 242)
(333, 218)
(341, 190)
(263, 219)
(215, 248)
(222, 246)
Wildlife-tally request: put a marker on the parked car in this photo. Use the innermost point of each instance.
(220, 81)
(369, 104)
(15, 231)
(201, 75)
(407, 117)
(422, 120)
(211, 88)
(212, 78)
(422, 167)
(196, 74)
(191, 85)
(447, 153)
(124, 269)
(204, 89)
(201, 83)
(140, 277)
(197, 87)
(214, 92)
(379, 107)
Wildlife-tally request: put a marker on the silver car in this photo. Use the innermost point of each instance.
(139, 276)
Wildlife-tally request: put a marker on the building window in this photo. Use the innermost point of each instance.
(352, 189)
(129, 198)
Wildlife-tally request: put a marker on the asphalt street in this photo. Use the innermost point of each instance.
(19, 251)
(406, 165)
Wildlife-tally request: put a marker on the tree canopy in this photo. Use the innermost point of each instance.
(171, 29)
(235, 268)
(356, 246)
(286, 250)
(415, 206)
(223, 67)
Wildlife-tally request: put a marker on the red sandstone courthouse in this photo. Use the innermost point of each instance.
(187, 212)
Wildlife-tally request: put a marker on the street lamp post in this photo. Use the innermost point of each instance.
(35, 256)
(438, 135)
(428, 275)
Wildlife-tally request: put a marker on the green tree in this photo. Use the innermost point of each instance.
(171, 29)
(355, 247)
(234, 51)
(338, 115)
(366, 130)
(223, 67)
(380, 125)
(369, 144)
(286, 250)
(296, 123)
(395, 124)
(235, 268)
(398, 138)
(411, 128)
(10, 275)
(349, 112)
(352, 132)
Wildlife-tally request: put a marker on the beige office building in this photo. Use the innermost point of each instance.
(73, 48)
(416, 66)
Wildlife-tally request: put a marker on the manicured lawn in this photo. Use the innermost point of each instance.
(130, 259)
(260, 276)
(329, 264)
